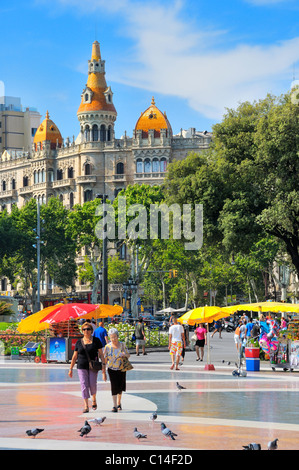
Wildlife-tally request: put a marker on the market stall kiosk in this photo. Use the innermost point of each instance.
(62, 340)
(286, 356)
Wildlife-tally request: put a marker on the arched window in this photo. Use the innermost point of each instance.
(95, 133)
(86, 97)
(43, 176)
(13, 183)
(59, 174)
(109, 133)
(3, 185)
(163, 164)
(103, 133)
(120, 168)
(88, 195)
(139, 166)
(147, 165)
(25, 181)
(71, 200)
(87, 169)
(61, 198)
(156, 167)
(70, 172)
(35, 177)
(51, 175)
(86, 134)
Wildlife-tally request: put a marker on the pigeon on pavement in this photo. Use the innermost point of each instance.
(34, 432)
(85, 429)
(139, 435)
(252, 446)
(167, 432)
(272, 445)
(98, 421)
(180, 387)
(153, 416)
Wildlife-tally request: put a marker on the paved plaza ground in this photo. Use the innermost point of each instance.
(216, 410)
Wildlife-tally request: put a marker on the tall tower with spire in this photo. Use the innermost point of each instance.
(96, 112)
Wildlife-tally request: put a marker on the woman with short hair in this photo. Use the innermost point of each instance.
(113, 353)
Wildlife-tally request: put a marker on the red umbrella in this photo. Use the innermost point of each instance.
(67, 312)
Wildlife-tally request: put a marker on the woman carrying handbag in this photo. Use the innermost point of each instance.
(114, 353)
(87, 351)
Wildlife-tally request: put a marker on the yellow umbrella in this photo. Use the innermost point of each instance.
(32, 323)
(202, 315)
(263, 307)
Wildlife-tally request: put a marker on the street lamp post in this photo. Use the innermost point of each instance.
(105, 260)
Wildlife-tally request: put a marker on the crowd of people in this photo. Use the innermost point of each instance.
(98, 343)
(264, 329)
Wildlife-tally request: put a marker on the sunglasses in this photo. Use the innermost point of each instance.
(86, 329)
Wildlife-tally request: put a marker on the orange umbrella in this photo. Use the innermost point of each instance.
(34, 322)
(108, 311)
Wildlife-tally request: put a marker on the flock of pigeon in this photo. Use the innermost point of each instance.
(272, 445)
(165, 430)
(86, 428)
(167, 433)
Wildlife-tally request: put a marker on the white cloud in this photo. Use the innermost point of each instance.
(176, 56)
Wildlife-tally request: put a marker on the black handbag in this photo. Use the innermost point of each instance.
(93, 365)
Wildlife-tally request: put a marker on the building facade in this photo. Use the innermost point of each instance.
(96, 162)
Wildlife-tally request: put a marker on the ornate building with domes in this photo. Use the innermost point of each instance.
(96, 162)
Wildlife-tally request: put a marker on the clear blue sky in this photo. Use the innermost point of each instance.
(196, 57)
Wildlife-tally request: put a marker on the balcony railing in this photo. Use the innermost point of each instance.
(64, 183)
(8, 194)
(86, 179)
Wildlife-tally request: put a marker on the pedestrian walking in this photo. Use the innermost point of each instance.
(242, 337)
(88, 377)
(113, 353)
(201, 334)
(140, 336)
(249, 326)
(101, 333)
(218, 327)
(176, 342)
(186, 335)
(237, 338)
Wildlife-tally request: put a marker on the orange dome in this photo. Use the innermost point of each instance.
(47, 130)
(153, 118)
(98, 94)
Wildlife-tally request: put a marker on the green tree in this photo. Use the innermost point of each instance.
(248, 180)
(83, 220)
(57, 250)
